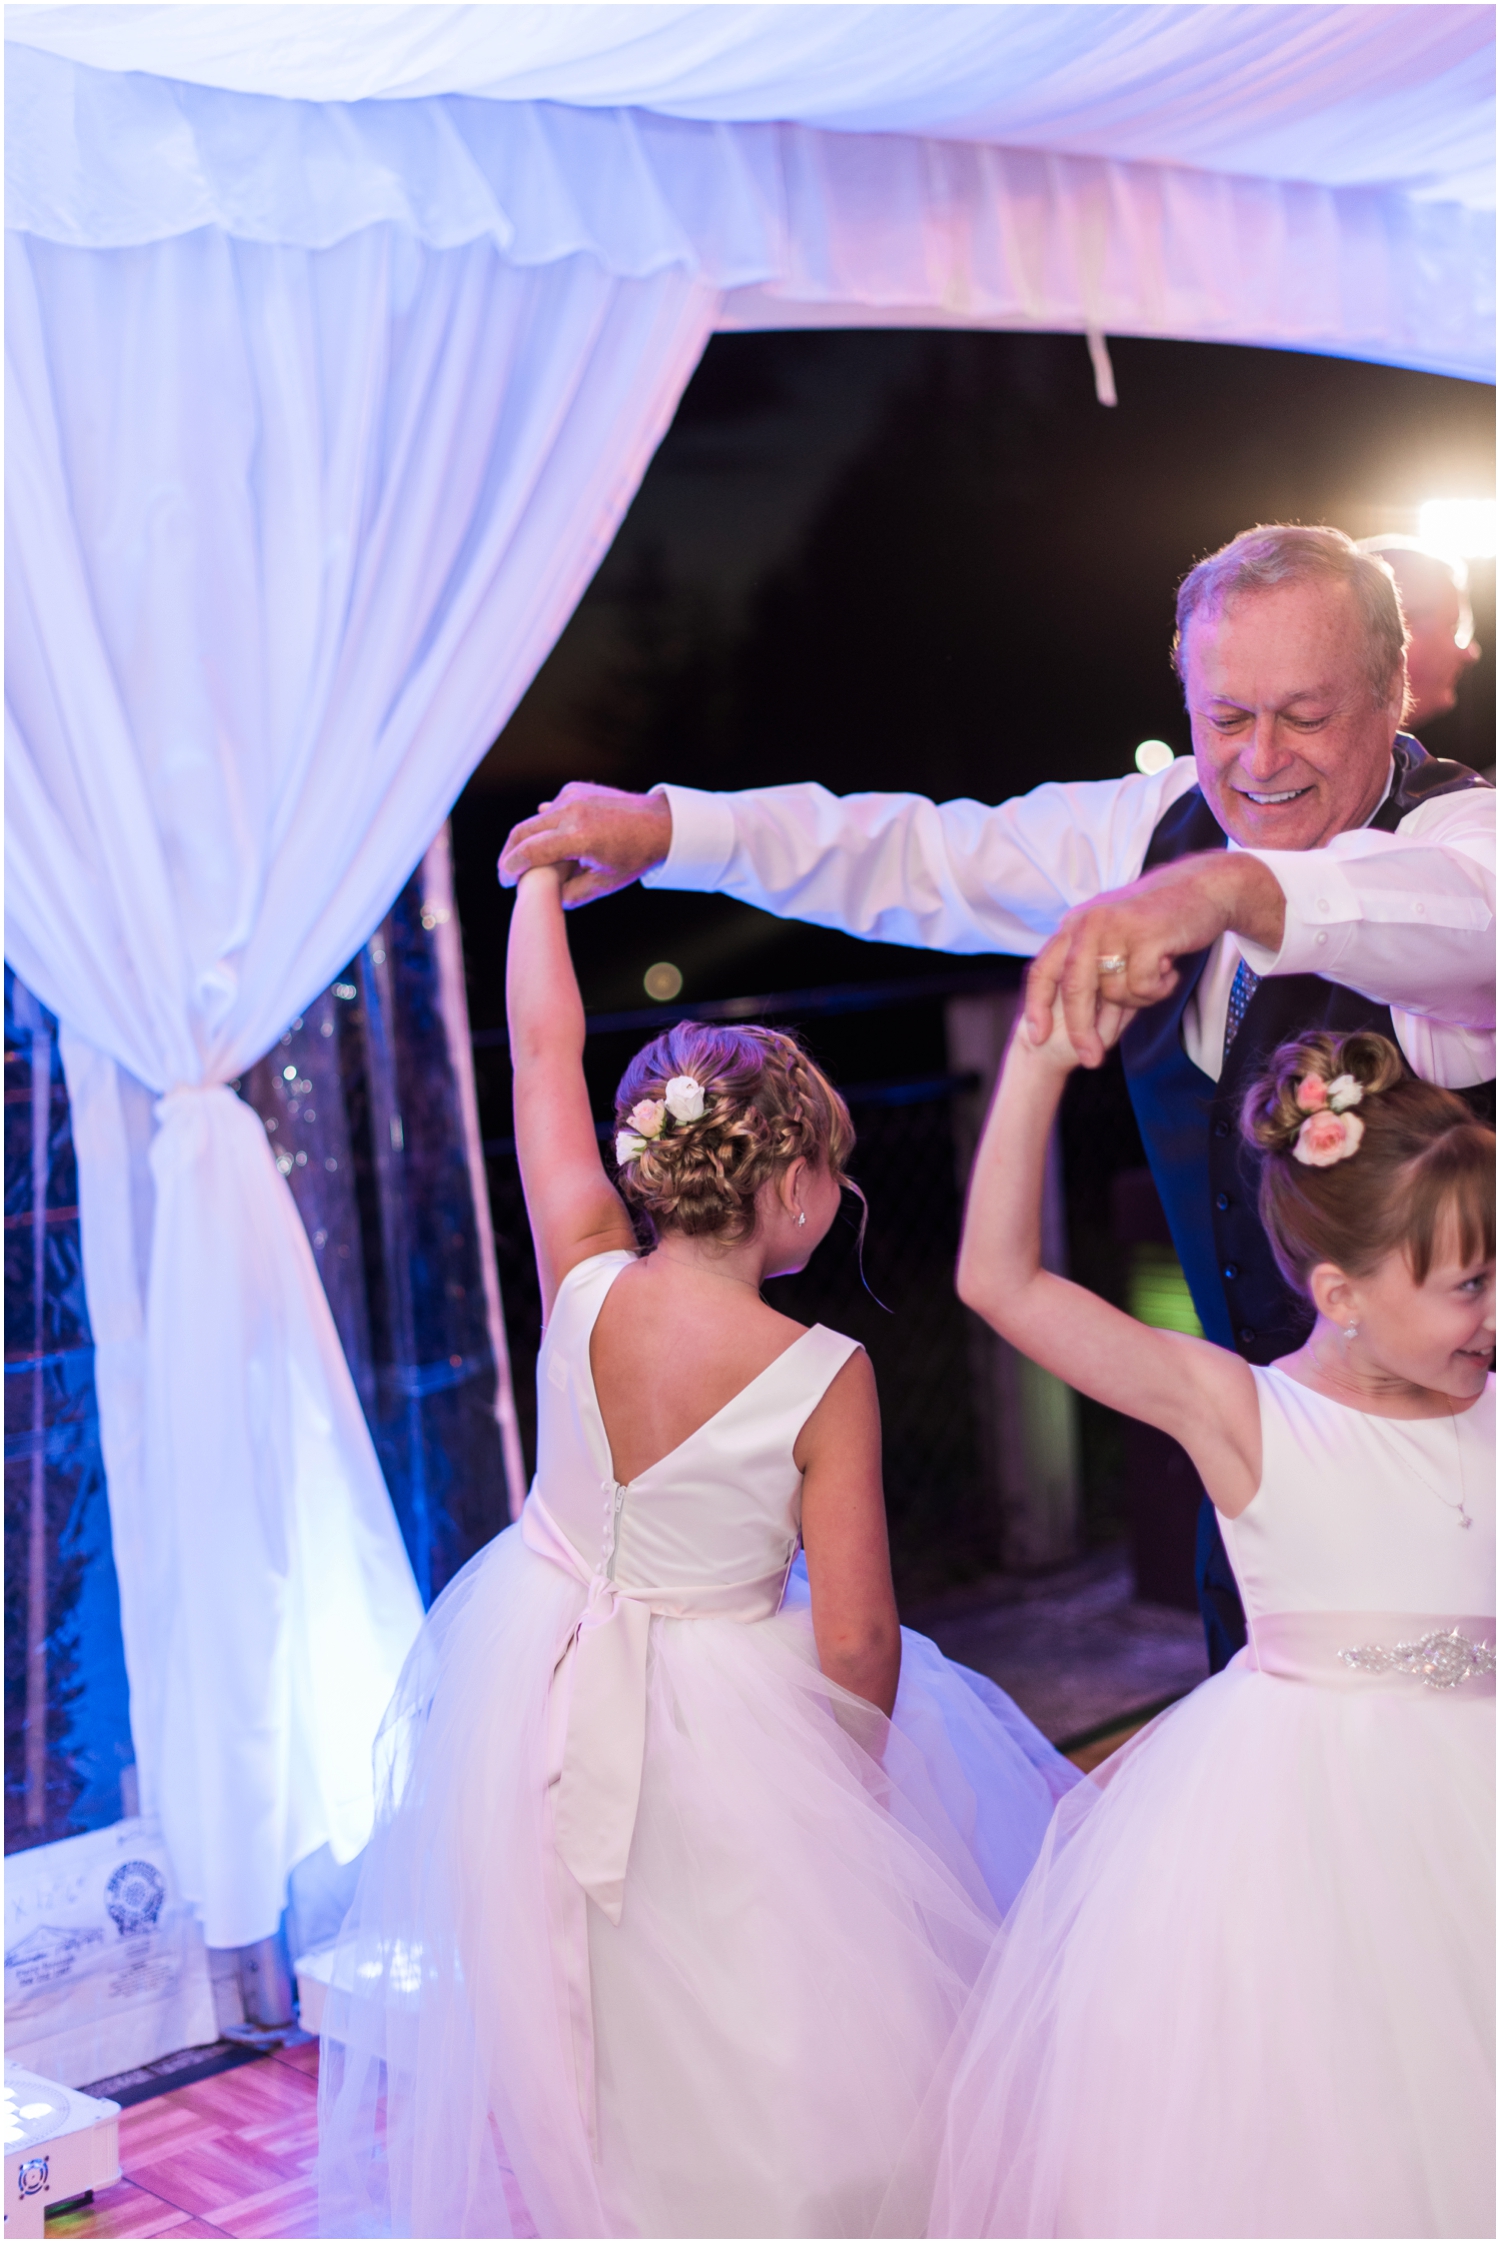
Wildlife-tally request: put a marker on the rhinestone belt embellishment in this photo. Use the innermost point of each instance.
(1439, 1662)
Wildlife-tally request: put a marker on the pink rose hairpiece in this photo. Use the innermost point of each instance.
(1332, 1130)
(682, 1101)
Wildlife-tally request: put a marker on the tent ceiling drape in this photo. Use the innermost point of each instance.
(1337, 96)
(339, 340)
(789, 223)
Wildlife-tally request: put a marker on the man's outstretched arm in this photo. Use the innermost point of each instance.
(957, 876)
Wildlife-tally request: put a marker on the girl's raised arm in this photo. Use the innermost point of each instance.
(573, 1207)
(1200, 1394)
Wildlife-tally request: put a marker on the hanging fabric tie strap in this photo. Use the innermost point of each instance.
(603, 1671)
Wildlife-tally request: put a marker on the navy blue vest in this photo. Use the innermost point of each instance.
(1204, 1172)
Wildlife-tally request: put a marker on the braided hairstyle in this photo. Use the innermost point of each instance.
(1423, 1170)
(766, 1104)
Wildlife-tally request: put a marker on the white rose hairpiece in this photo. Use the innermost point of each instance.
(682, 1101)
(1332, 1131)
(684, 1098)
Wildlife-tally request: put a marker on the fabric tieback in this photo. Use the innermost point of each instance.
(603, 1671)
(185, 1098)
(1243, 987)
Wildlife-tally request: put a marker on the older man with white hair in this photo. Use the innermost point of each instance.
(1310, 867)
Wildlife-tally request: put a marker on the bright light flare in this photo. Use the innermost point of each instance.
(1464, 527)
(1153, 755)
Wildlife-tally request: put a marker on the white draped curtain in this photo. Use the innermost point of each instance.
(289, 533)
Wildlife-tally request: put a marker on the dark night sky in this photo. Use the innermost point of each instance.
(932, 561)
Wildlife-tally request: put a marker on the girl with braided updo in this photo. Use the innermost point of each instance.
(765, 1105)
(696, 1853)
(1248, 1988)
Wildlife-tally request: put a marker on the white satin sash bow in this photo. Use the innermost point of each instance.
(603, 1669)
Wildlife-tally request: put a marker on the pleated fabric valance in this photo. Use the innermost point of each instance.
(810, 223)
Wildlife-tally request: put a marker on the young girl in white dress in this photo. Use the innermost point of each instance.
(688, 1861)
(1248, 1989)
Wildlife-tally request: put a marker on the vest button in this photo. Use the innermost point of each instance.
(1221, 1129)
(1231, 1269)
(1221, 1201)
(1247, 1336)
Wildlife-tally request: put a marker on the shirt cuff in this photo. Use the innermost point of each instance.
(1319, 897)
(703, 840)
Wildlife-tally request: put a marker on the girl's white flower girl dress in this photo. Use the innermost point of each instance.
(1249, 1987)
(660, 1932)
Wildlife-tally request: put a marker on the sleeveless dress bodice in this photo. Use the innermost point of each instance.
(1356, 1513)
(709, 1532)
(724, 1507)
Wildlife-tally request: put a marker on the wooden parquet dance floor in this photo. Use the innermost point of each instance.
(234, 2155)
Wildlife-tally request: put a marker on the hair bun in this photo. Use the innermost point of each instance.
(1422, 1176)
(704, 1115)
(1274, 1112)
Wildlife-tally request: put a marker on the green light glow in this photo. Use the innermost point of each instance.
(1158, 1291)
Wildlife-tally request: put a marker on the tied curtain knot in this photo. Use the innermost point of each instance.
(195, 1122)
(187, 1098)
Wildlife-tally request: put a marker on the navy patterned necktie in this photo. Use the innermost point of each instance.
(1241, 990)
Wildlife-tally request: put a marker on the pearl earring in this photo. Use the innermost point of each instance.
(1351, 1331)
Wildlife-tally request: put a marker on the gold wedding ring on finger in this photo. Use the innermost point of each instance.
(1109, 967)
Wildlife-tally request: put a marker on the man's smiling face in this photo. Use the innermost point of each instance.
(1289, 745)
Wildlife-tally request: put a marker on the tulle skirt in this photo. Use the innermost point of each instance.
(811, 1895)
(1248, 1990)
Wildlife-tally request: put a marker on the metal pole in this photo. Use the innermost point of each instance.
(1028, 1420)
(36, 1570)
(388, 1142)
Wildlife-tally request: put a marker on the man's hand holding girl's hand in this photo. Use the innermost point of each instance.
(545, 879)
(1055, 1047)
(602, 836)
(1119, 953)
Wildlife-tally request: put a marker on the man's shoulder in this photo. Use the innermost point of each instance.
(1139, 796)
(1450, 814)
(1101, 828)
(1157, 789)
(1419, 779)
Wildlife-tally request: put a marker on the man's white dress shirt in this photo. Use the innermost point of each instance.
(1405, 918)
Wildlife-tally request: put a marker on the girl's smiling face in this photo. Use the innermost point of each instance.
(1439, 1334)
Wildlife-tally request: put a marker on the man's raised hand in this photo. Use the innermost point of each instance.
(1122, 949)
(608, 836)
